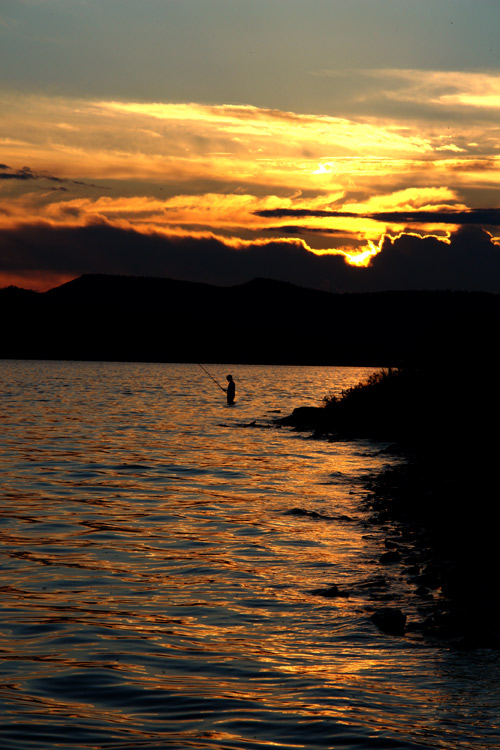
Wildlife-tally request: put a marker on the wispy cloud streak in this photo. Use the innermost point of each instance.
(484, 217)
(173, 173)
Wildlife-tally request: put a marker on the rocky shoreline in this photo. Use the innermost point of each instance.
(449, 563)
(437, 516)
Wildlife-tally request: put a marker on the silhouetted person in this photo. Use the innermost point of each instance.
(230, 390)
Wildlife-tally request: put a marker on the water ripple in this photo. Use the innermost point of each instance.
(157, 568)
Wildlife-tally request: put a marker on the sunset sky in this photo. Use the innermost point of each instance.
(341, 144)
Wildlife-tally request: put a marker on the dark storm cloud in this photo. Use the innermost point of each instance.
(470, 261)
(480, 216)
(296, 229)
(26, 173)
(105, 249)
(283, 213)
(16, 174)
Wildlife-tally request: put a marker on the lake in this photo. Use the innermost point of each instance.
(159, 554)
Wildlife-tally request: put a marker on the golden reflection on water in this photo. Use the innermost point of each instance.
(155, 578)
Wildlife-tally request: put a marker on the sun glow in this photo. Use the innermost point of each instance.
(363, 258)
(232, 172)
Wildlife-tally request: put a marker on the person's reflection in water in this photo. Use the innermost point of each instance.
(230, 390)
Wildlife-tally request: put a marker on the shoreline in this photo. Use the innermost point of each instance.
(440, 500)
(451, 575)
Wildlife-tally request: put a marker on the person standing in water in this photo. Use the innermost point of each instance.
(230, 390)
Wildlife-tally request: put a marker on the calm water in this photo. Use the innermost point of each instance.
(156, 589)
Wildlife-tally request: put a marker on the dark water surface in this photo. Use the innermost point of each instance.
(156, 587)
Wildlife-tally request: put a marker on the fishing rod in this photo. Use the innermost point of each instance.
(215, 381)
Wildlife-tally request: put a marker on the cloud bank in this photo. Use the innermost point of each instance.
(468, 260)
(222, 193)
(482, 216)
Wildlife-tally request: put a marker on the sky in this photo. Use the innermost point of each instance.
(345, 145)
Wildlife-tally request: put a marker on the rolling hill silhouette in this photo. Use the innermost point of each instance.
(125, 318)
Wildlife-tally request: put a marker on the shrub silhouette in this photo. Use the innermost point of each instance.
(382, 405)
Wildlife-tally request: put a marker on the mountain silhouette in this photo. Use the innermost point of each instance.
(126, 318)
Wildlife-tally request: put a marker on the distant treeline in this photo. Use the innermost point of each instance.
(99, 317)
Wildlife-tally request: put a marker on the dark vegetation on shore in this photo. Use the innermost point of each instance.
(443, 418)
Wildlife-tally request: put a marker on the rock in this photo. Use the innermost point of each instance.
(388, 558)
(306, 417)
(390, 620)
(389, 544)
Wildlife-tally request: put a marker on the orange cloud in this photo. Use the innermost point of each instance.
(164, 142)
(445, 87)
(187, 169)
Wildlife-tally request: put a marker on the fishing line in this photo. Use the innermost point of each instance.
(215, 381)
